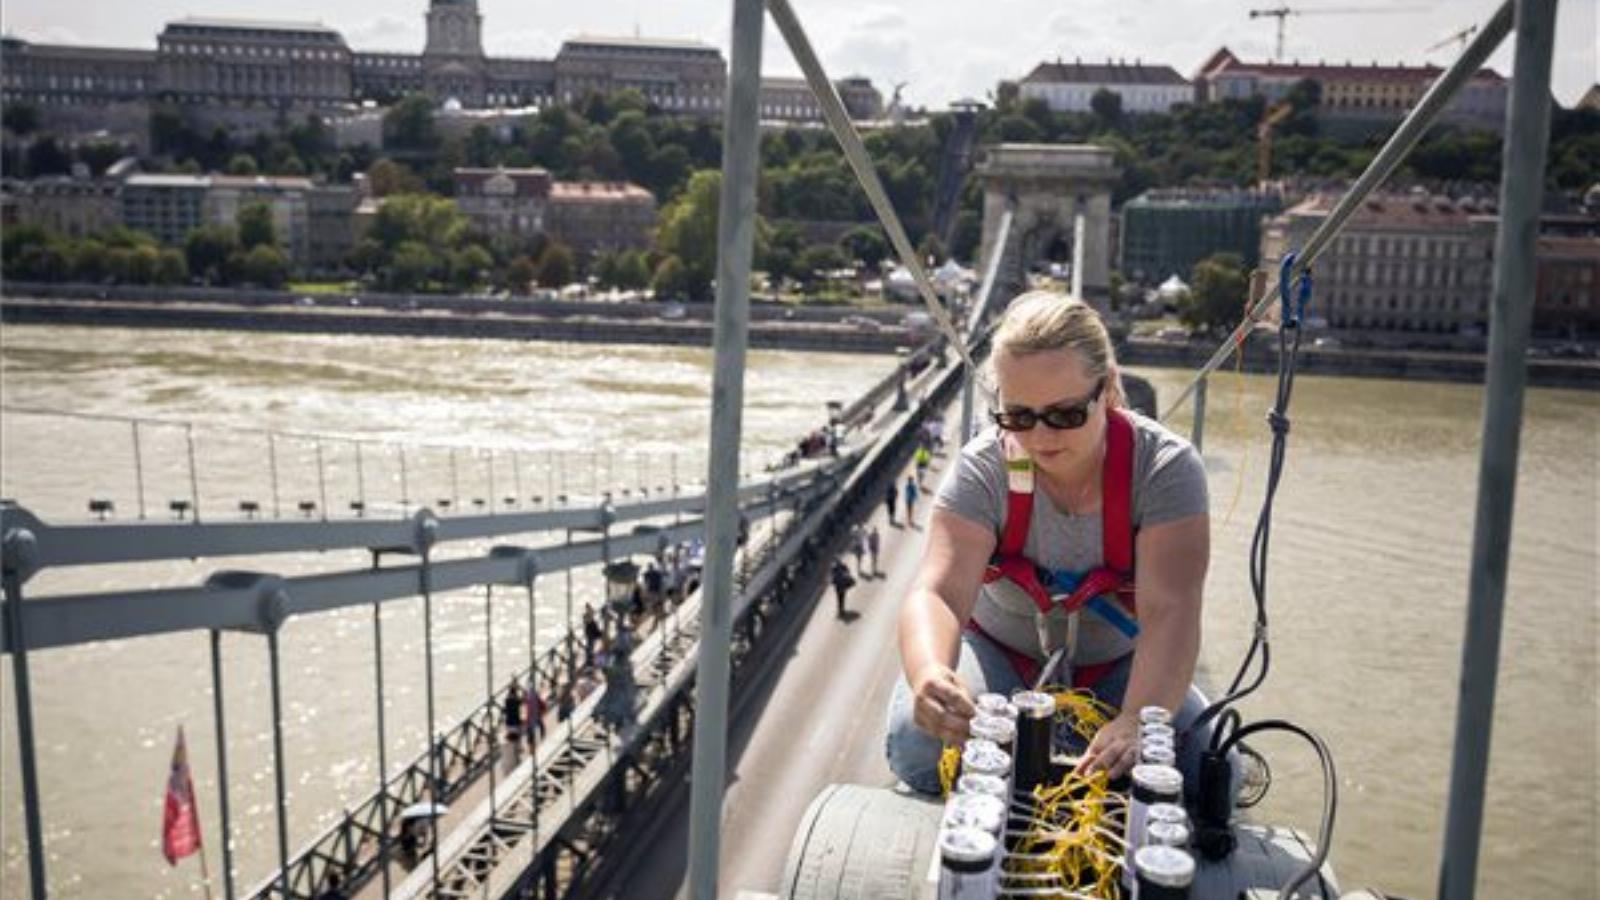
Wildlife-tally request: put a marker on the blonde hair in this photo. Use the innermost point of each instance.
(1039, 321)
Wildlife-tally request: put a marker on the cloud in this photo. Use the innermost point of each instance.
(385, 32)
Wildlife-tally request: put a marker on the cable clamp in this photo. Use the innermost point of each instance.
(1261, 632)
(1278, 421)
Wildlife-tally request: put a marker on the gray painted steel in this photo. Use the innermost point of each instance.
(855, 153)
(257, 602)
(1393, 152)
(217, 709)
(864, 843)
(980, 311)
(1521, 191)
(18, 551)
(741, 148)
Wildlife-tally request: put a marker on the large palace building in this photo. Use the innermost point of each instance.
(274, 67)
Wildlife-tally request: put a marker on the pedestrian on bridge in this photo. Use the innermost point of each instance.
(512, 713)
(592, 632)
(924, 459)
(535, 709)
(839, 574)
(874, 544)
(912, 492)
(858, 547)
(890, 498)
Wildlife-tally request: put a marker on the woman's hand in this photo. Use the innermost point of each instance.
(1115, 747)
(943, 708)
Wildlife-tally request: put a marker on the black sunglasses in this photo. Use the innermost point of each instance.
(1061, 417)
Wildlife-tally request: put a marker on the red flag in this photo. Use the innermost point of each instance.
(180, 821)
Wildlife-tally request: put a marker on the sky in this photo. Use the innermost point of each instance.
(942, 49)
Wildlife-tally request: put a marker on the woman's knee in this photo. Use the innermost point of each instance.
(912, 753)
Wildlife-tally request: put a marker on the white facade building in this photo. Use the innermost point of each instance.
(1070, 87)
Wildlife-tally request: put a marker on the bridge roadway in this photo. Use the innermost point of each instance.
(818, 718)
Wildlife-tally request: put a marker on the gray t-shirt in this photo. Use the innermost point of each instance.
(1169, 483)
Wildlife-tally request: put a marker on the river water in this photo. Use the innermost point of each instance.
(1368, 579)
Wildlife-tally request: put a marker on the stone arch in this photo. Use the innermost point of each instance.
(1048, 185)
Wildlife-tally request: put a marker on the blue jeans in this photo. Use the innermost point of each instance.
(914, 754)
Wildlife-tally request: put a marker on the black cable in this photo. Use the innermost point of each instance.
(1330, 799)
(1289, 337)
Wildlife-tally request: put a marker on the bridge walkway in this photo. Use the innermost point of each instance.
(819, 718)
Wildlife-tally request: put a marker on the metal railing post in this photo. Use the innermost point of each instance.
(455, 482)
(19, 544)
(1521, 193)
(194, 478)
(1197, 435)
(278, 778)
(405, 487)
(217, 706)
(490, 465)
(735, 241)
(272, 468)
(322, 482)
(383, 741)
(361, 480)
(138, 468)
(426, 576)
(488, 681)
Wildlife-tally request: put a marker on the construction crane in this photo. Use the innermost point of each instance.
(1264, 140)
(1283, 12)
(1461, 37)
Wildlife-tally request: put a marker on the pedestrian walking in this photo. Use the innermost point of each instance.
(874, 544)
(890, 497)
(512, 713)
(858, 547)
(911, 501)
(842, 583)
(534, 710)
(924, 459)
(592, 632)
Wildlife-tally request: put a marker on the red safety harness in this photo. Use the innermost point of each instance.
(1116, 531)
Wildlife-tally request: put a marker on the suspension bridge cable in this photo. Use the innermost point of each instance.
(856, 154)
(1394, 152)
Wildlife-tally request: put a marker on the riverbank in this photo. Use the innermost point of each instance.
(497, 324)
(772, 326)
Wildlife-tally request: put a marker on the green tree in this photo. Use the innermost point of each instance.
(556, 266)
(519, 275)
(633, 273)
(256, 227)
(412, 266)
(90, 261)
(1107, 106)
(21, 119)
(264, 265)
(604, 270)
(1216, 294)
(207, 249)
(468, 265)
(409, 127)
(866, 243)
(816, 261)
(45, 157)
(433, 221)
(688, 230)
(386, 177)
(671, 280)
(243, 164)
(170, 267)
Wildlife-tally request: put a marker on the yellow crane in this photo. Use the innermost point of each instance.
(1282, 13)
(1264, 140)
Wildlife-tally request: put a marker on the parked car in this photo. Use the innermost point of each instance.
(862, 322)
